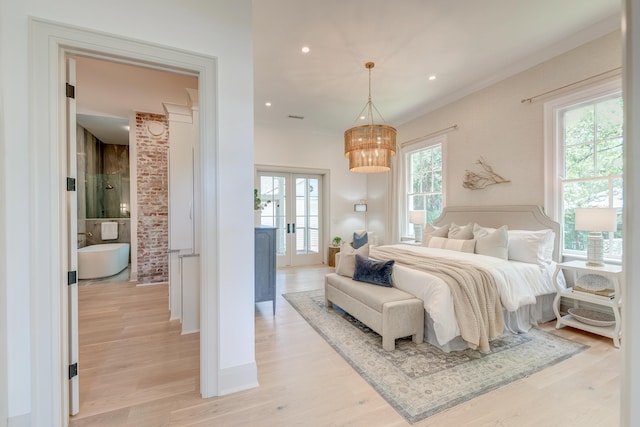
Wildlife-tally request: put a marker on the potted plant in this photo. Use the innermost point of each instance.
(336, 241)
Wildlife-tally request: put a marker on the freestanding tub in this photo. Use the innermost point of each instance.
(102, 260)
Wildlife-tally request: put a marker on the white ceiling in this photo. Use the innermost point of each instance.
(466, 44)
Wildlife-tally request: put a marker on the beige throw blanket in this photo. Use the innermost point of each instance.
(475, 294)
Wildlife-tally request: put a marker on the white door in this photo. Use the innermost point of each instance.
(292, 203)
(72, 240)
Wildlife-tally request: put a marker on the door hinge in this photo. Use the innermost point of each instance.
(71, 91)
(72, 278)
(71, 184)
(73, 370)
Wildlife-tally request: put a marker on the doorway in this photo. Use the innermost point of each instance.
(293, 203)
(50, 44)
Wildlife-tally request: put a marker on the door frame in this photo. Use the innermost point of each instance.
(50, 43)
(325, 177)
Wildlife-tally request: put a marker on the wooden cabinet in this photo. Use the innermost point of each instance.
(265, 265)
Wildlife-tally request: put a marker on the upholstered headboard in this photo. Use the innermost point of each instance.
(516, 217)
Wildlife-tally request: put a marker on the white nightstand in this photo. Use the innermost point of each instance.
(614, 274)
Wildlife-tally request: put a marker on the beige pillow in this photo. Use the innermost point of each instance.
(463, 232)
(347, 261)
(430, 231)
(492, 242)
(452, 244)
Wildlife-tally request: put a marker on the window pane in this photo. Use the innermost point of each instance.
(435, 207)
(579, 161)
(609, 118)
(579, 125)
(610, 157)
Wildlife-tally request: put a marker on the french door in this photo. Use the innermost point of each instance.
(292, 202)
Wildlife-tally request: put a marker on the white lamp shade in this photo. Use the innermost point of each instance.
(596, 219)
(416, 217)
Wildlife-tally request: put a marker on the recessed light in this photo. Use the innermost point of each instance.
(268, 104)
(432, 77)
(362, 117)
(306, 49)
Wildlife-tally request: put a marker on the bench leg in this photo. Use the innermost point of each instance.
(417, 338)
(389, 344)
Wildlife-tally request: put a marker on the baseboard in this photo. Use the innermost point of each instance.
(23, 420)
(238, 378)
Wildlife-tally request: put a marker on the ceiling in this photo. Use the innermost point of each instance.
(467, 45)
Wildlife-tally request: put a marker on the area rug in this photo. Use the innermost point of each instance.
(419, 380)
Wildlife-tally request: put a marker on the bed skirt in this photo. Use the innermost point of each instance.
(516, 322)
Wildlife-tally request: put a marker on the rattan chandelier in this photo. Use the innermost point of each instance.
(370, 147)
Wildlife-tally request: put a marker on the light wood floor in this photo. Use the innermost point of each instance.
(137, 370)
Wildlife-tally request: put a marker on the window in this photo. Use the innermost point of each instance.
(423, 177)
(589, 148)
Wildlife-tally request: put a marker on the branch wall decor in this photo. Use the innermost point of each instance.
(478, 181)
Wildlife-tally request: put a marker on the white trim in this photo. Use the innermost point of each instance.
(48, 44)
(229, 378)
(630, 374)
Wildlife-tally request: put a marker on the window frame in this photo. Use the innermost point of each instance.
(554, 151)
(406, 229)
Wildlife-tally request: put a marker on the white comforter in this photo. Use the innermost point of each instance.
(518, 284)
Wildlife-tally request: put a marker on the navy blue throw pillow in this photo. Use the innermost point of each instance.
(359, 241)
(374, 272)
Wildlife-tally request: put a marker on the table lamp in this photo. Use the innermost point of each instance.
(595, 221)
(417, 219)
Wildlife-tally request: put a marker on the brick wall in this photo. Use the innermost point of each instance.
(152, 143)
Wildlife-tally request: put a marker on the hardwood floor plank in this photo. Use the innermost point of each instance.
(136, 369)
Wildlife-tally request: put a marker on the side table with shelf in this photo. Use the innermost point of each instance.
(333, 250)
(614, 274)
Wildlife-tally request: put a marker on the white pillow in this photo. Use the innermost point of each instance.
(534, 247)
(463, 232)
(430, 231)
(347, 261)
(492, 242)
(452, 244)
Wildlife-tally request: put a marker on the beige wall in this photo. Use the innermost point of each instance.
(508, 134)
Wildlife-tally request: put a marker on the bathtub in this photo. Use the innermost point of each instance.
(102, 260)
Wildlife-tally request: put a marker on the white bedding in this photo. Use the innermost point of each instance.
(518, 285)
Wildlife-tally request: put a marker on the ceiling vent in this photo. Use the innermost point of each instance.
(291, 116)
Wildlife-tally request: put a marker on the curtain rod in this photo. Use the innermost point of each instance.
(411, 141)
(530, 100)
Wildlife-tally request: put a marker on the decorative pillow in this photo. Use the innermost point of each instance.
(534, 247)
(452, 244)
(347, 260)
(430, 231)
(360, 238)
(374, 272)
(492, 242)
(461, 232)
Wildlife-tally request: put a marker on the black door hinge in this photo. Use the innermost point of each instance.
(71, 184)
(71, 91)
(73, 370)
(72, 278)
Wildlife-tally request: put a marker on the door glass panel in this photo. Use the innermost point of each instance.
(307, 216)
(273, 192)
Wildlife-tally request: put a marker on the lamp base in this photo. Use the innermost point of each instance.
(417, 230)
(594, 250)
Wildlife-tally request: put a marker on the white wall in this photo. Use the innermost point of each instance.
(217, 28)
(508, 134)
(300, 147)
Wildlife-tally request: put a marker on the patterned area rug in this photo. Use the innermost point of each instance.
(419, 380)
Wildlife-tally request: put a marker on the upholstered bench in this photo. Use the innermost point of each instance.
(390, 312)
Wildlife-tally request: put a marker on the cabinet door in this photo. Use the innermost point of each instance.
(265, 262)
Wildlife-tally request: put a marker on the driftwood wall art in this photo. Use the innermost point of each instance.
(479, 180)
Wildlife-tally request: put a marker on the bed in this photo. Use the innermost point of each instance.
(524, 285)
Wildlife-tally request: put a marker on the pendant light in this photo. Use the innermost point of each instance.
(370, 147)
